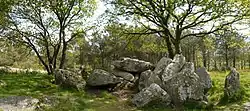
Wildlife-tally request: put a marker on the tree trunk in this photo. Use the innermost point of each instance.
(56, 51)
(169, 46)
(204, 58)
(226, 56)
(188, 55)
(220, 64)
(63, 58)
(177, 40)
(194, 56)
(244, 65)
(208, 63)
(33, 47)
(177, 47)
(215, 65)
(64, 49)
(243, 59)
(249, 61)
(234, 61)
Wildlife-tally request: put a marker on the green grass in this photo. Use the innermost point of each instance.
(216, 94)
(39, 86)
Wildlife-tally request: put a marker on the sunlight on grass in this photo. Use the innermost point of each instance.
(39, 86)
(217, 92)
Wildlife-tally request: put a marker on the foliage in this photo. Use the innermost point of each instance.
(5, 7)
(47, 27)
(171, 18)
(17, 55)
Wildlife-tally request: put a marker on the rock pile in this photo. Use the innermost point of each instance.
(176, 80)
(124, 75)
(169, 81)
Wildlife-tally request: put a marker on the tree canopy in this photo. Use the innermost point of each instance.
(170, 18)
(48, 26)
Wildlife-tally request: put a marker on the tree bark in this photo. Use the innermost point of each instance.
(177, 40)
(39, 56)
(226, 56)
(169, 46)
(204, 58)
(249, 61)
(64, 49)
(215, 65)
(177, 47)
(234, 60)
(194, 57)
(63, 58)
(208, 62)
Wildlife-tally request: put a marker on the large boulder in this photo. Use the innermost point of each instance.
(69, 79)
(183, 84)
(152, 93)
(205, 78)
(132, 65)
(125, 75)
(173, 68)
(232, 83)
(101, 78)
(147, 78)
(161, 65)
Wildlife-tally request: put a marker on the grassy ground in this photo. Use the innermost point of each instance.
(39, 86)
(216, 93)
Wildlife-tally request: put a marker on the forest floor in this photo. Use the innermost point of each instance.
(39, 86)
